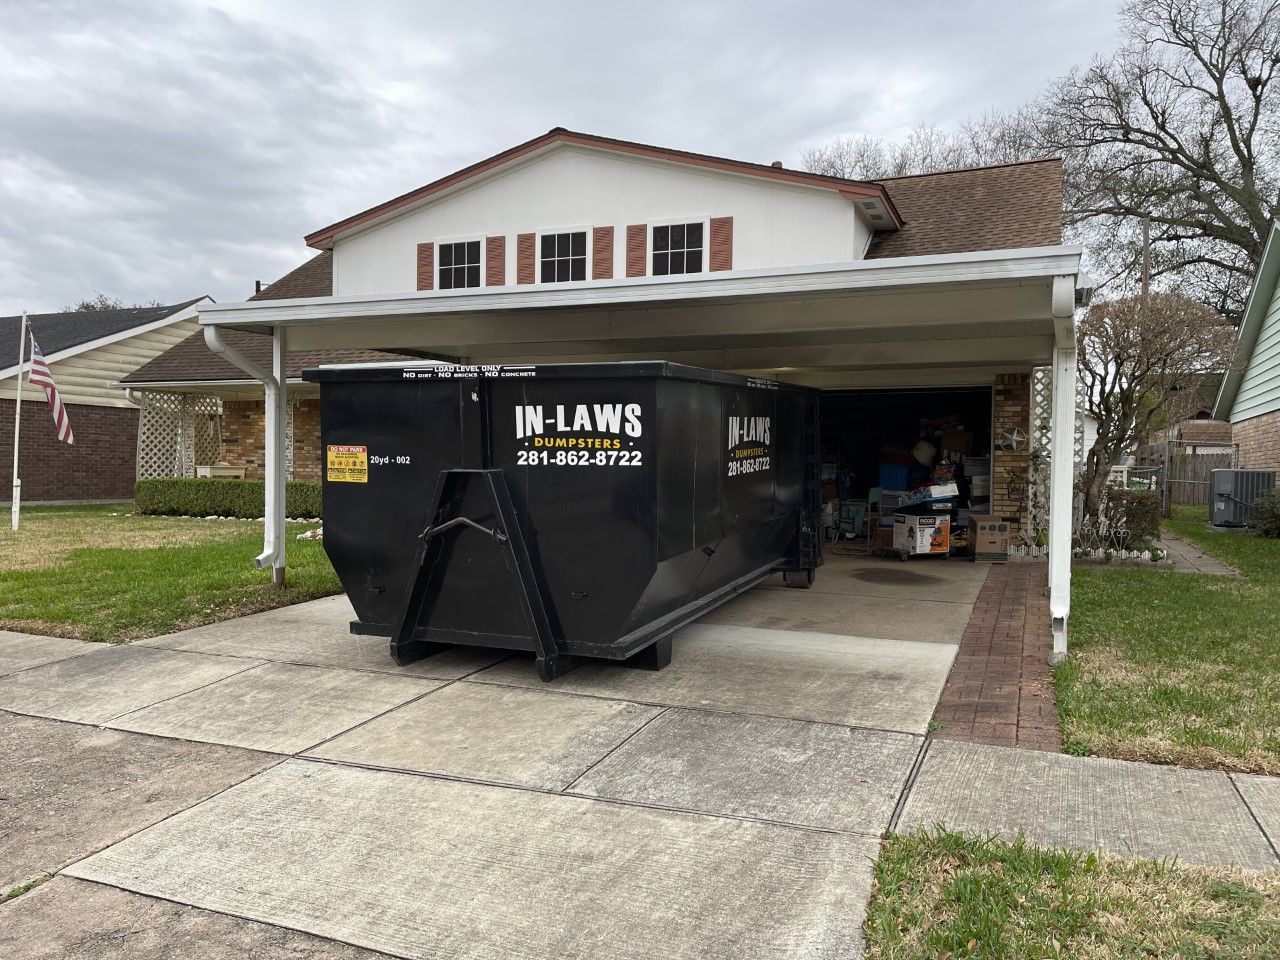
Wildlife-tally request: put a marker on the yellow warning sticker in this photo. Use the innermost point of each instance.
(346, 464)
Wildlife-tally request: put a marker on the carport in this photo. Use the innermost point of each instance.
(953, 320)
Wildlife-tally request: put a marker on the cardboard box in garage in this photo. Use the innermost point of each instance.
(913, 534)
(988, 537)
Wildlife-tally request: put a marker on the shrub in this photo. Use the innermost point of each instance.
(1140, 510)
(1266, 514)
(186, 497)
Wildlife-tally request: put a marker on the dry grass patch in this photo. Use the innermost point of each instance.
(941, 895)
(49, 534)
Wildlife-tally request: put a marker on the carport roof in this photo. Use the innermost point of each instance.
(962, 316)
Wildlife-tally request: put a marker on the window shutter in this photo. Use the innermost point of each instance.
(602, 253)
(524, 257)
(495, 263)
(721, 243)
(637, 248)
(426, 266)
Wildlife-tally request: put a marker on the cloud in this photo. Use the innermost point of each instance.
(166, 150)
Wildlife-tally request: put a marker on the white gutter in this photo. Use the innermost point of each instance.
(1031, 263)
(273, 541)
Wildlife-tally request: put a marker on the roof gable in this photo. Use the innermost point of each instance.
(58, 333)
(1261, 305)
(850, 189)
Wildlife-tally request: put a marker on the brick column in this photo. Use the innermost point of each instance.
(1011, 469)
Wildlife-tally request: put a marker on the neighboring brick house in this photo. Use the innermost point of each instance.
(200, 411)
(1250, 394)
(88, 353)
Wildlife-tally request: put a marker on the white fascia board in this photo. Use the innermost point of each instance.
(162, 385)
(190, 312)
(1255, 309)
(1027, 264)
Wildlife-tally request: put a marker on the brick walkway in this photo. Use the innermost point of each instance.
(1000, 690)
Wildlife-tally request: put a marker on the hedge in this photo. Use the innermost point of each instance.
(221, 497)
(1266, 514)
(1140, 510)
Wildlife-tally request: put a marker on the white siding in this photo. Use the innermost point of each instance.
(89, 377)
(1259, 391)
(774, 224)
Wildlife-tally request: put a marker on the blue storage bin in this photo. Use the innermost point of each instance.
(894, 476)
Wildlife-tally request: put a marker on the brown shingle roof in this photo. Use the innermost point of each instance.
(986, 208)
(313, 279)
(192, 361)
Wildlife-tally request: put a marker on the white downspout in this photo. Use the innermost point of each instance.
(1062, 461)
(273, 383)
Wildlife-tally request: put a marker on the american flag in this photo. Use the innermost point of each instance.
(41, 377)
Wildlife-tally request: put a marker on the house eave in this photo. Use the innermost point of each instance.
(1023, 264)
(1264, 285)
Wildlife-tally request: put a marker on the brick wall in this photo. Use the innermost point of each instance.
(100, 465)
(306, 440)
(1011, 468)
(1259, 440)
(244, 437)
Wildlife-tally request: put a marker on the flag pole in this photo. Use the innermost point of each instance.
(16, 506)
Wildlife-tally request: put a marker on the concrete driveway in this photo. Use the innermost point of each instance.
(728, 806)
(274, 787)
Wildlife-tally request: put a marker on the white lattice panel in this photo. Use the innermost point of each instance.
(175, 432)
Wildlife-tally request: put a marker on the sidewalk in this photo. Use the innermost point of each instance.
(1186, 557)
(730, 805)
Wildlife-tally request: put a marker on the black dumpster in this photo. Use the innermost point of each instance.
(574, 510)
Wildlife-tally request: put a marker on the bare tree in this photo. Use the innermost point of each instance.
(1137, 357)
(994, 137)
(1182, 125)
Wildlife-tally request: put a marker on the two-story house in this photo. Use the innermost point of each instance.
(919, 305)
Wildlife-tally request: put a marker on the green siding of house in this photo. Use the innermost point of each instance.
(1259, 391)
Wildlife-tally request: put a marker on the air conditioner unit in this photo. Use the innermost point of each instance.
(1234, 493)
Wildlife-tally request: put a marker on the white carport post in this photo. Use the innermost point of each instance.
(276, 409)
(1062, 461)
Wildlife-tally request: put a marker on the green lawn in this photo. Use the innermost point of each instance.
(942, 895)
(101, 573)
(1178, 668)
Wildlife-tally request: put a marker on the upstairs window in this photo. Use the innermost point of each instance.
(564, 257)
(677, 248)
(459, 265)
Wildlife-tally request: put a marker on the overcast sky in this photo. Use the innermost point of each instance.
(160, 151)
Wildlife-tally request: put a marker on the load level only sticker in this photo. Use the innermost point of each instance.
(346, 464)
